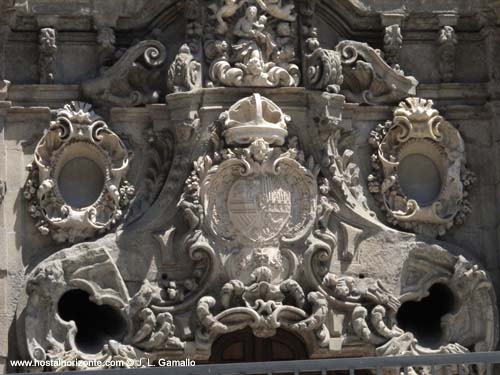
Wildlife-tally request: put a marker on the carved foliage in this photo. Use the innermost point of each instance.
(78, 138)
(367, 77)
(420, 147)
(131, 80)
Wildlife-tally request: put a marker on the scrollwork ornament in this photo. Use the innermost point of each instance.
(78, 136)
(420, 139)
(131, 80)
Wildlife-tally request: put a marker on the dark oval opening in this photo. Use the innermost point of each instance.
(96, 324)
(80, 182)
(419, 179)
(423, 318)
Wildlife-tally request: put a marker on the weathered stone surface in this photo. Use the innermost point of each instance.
(247, 164)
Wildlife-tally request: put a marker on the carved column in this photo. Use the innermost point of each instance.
(447, 42)
(393, 39)
(47, 58)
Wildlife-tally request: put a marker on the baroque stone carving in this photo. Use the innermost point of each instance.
(252, 199)
(131, 80)
(393, 42)
(158, 161)
(47, 334)
(47, 60)
(145, 331)
(73, 211)
(367, 77)
(257, 49)
(447, 43)
(185, 72)
(473, 321)
(323, 68)
(254, 219)
(420, 145)
(261, 306)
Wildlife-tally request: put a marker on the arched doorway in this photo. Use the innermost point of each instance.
(243, 346)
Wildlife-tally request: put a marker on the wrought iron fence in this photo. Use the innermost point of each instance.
(486, 363)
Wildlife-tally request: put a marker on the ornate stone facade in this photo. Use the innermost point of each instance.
(202, 168)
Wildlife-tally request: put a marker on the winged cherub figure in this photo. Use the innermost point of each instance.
(229, 8)
(276, 9)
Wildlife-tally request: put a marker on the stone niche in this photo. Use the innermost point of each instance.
(243, 181)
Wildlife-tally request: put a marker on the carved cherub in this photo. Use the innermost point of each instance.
(146, 326)
(276, 9)
(229, 9)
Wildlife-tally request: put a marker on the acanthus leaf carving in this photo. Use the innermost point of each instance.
(130, 81)
(159, 155)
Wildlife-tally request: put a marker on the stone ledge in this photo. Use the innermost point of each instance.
(53, 96)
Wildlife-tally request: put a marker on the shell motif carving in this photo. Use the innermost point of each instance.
(420, 176)
(76, 187)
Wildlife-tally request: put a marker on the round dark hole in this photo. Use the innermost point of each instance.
(419, 178)
(361, 275)
(96, 324)
(164, 276)
(423, 318)
(80, 182)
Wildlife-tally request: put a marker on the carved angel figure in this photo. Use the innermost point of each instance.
(276, 9)
(229, 9)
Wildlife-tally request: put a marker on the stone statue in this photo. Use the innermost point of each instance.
(276, 9)
(229, 9)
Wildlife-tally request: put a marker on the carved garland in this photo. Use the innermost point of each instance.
(420, 176)
(78, 138)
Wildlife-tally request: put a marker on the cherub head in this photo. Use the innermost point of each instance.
(254, 66)
(283, 29)
(251, 13)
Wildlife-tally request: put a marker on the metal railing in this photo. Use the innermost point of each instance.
(485, 361)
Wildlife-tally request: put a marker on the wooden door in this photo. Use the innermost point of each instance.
(243, 346)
